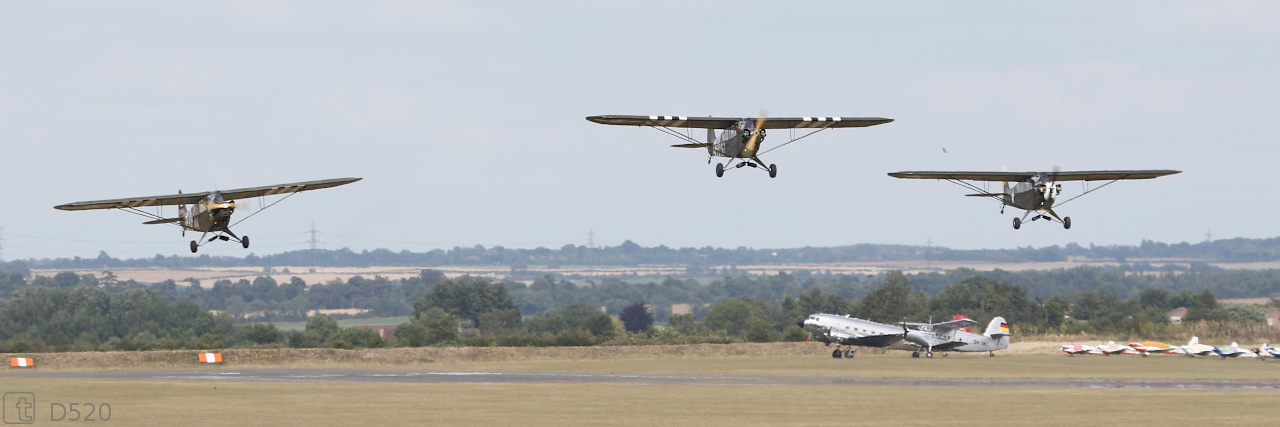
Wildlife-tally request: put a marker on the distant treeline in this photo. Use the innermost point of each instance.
(631, 254)
(122, 316)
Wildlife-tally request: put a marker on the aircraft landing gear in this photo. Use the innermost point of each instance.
(944, 354)
(1066, 222)
(991, 354)
(194, 246)
(719, 170)
(244, 241)
(1017, 223)
(836, 354)
(928, 355)
(773, 171)
(849, 352)
(915, 355)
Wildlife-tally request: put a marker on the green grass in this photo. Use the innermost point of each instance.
(346, 323)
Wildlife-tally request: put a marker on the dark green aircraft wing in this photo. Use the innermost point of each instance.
(726, 122)
(667, 121)
(186, 199)
(244, 193)
(822, 122)
(1023, 176)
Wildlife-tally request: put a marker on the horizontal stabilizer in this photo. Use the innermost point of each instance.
(163, 221)
(984, 195)
(691, 145)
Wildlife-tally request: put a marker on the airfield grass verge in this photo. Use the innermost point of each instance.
(1021, 361)
(169, 402)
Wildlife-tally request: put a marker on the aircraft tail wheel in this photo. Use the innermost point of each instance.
(1066, 222)
(194, 246)
(244, 241)
(991, 354)
(719, 169)
(773, 171)
(1017, 223)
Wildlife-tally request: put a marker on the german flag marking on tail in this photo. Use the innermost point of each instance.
(1004, 327)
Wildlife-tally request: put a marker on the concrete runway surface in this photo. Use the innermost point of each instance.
(446, 377)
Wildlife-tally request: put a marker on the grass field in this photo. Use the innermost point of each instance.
(346, 323)
(164, 402)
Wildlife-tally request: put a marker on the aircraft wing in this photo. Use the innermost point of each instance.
(725, 122)
(945, 326)
(1023, 176)
(186, 199)
(244, 193)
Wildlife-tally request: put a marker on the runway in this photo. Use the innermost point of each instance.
(459, 377)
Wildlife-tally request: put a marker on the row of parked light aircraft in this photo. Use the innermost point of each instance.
(918, 338)
(1192, 349)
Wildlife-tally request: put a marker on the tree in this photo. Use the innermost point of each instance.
(322, 328)
(442, 329)
(686, 324)
(888, 304)
(732, 316)
(466, 297)
(636, 317)
(263, 334)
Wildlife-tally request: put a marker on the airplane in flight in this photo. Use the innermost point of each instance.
(927, 337)
(1033, 192)
(210, 211)
(740, 139)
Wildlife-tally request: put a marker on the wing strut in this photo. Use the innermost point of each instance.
(793, 140)
(1088, 191)
(260, 210)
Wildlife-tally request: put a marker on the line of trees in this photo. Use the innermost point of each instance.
(630, 254)
(122, 317)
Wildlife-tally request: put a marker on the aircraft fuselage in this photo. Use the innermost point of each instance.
(732, 142)
(209, 215)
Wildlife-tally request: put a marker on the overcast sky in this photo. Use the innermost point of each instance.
(466, 120)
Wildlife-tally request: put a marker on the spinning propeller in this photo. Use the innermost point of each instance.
(755, 133)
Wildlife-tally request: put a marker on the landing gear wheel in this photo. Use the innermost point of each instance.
(244, 241)
(928, 355)
(1017, 223)
(848, 353)
(719, 170)
(1066, 222)
(944, 354)
(991, 354)
(915, 354)
(836, 354)
(194, 246)
(773, 171)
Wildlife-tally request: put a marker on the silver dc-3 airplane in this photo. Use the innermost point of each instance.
(1033, 192)
(210, 211)
(740, 139)
(914, 337)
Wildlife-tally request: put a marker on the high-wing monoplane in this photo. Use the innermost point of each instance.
(740, 139)
(210, 211)
(1034, 192)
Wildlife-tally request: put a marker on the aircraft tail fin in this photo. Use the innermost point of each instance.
(1194, 341)
(998, 328)
(163, 221)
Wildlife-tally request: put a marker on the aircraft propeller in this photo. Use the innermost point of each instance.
(755, 133)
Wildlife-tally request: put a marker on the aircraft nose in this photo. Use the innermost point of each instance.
(800, 323)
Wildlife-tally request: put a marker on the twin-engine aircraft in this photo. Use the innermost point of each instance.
(1033, 192)
(914, 337)
(210, 211)
(740, 139)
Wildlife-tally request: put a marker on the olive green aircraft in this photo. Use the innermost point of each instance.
(210, 211)
(1034, 192)
(740, 139)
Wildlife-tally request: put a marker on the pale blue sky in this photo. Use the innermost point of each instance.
(466, 119)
